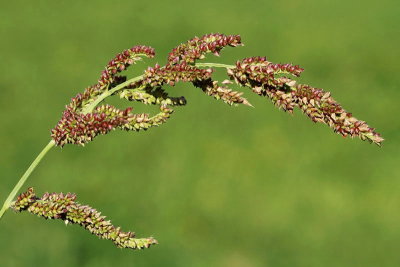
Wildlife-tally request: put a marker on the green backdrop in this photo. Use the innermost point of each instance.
(216, 185)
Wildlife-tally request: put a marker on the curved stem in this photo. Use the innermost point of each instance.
(24, 177)
(89, 108)
(216, 65)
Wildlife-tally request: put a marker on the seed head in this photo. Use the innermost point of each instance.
(82, 121)
(267, 79)
(196, 48)
(64, 207)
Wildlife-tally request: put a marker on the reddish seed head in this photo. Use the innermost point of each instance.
(263, 77)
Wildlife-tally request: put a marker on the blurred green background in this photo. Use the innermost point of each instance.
(216, 185)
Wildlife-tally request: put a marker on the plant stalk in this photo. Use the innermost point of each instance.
(89, 108)
(215, 65)
(24, 177)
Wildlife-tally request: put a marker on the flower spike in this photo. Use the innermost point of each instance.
(196, 48)
(122, 61)
(64, 207)
(265, 79)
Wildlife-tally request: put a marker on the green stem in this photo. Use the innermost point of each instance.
(89, 108)
(24, 177)
(216, 65)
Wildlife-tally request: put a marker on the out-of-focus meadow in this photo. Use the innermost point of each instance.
(216, 185)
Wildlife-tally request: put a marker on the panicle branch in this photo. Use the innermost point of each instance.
(122, 61)
(108, 76)
(152, 96)
(214, 89)
(171, 74)
(265, 79)
(64, 207)
(196, 48)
